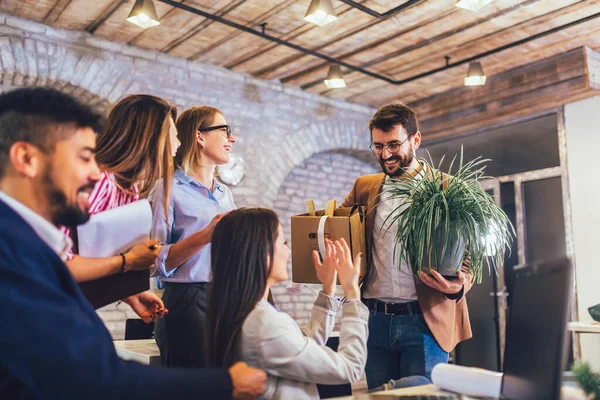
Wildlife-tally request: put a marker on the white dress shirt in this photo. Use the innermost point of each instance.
(388, 282)
(49, 233)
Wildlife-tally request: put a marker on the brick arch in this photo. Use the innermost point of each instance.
(300, 145)
(82, 72)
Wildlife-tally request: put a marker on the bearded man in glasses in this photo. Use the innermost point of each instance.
(415, 321)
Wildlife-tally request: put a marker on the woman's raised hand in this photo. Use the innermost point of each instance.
(327, 270)
(348, 270)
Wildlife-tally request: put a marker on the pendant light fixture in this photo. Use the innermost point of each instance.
(143, 14)
(475, 75)
(335, 79)
(320, 12)
(473, 5)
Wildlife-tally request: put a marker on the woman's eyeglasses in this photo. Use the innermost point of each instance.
(224, 129)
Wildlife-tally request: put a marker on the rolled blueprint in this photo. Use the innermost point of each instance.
(466, 380)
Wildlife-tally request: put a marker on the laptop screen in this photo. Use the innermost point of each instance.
(536, 342)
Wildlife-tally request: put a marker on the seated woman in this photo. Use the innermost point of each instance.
(248, 256)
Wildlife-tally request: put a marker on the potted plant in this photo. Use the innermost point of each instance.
(443, 217)
(588, 380)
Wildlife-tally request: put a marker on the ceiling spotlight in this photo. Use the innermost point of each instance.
(143, 14)
(335, 79)
(473, 5)
(320, 12)
(475, 75)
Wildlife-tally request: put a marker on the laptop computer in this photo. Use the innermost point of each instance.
(536, 340)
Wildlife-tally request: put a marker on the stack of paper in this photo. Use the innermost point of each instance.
(115, 231)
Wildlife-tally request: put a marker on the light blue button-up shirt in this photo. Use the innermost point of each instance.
(191, 209)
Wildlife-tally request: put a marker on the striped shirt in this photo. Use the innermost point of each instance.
(106, 196)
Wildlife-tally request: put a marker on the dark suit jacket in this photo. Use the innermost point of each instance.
(447, 319)
(54, 346)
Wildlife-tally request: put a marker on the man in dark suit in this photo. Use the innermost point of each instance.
(52, 343)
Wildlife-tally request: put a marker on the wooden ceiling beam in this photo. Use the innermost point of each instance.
(408, 68)
(270, 37)
(147, 31)
(201, 26)
(381, 17)
(309, 69)
(526, 90)
(288, 36)
(264, 71)
(385, 15)
(415, 91)
(335, 46)
(273, 11)
(105, 15)
(255, 22)
(56, 11)
(405, 50)
(12, 7)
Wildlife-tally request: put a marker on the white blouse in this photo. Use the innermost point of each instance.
(295, 361)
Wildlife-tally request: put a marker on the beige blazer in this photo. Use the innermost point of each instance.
(447, 319)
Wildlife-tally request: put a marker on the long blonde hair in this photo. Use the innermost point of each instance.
(135, 145)
(188, 123)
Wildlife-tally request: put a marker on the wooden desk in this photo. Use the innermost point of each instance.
(146, 351)
(143, 351)
(417, 390)
(584, 327)
(568, 392)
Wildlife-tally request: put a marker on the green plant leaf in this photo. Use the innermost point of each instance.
(433, 205)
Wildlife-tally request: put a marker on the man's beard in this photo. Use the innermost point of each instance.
(61, 212)
(405, 162)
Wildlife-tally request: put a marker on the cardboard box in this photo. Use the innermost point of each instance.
(347, 223)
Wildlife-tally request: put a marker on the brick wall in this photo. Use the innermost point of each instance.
(279, 128)
(322, 177)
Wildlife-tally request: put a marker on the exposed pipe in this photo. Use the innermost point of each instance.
(356, 68)
(374, 13)
(480, 55)
(274, 39)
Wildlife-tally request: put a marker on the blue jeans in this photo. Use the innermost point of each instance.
(400, 346)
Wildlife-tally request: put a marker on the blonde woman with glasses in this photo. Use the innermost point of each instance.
(195, 206)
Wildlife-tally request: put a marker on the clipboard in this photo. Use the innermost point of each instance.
(104, 291)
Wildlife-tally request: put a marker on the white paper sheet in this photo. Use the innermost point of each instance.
(468, 381)
(115, 231)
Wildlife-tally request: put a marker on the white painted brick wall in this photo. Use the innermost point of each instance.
(285, 134)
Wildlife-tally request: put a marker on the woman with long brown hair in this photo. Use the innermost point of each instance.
(249, 255)
(134, 150)
(196, 204)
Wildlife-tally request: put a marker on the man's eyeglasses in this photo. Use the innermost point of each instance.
(224, 129)
(393, 147)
